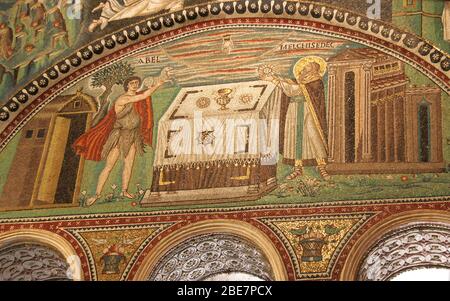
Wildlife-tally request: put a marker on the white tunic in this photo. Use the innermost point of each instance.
(313, 146)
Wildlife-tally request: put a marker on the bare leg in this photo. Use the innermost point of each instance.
(127, 170)
(110, 162)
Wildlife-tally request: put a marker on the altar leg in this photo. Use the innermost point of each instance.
(151, 197)
(253, 189)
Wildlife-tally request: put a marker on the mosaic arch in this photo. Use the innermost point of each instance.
(217, 247)
(32, 262)
(413, 247)
(403, 241)
(37, 255)
(206, 256)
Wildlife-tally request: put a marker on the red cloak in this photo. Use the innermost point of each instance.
(90, 144)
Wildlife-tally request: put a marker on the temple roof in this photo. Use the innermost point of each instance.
(389, 81)
(60, 102)
(360, 54)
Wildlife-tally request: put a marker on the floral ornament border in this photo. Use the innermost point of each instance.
(378, 213)
(300, 15)
(164, 215)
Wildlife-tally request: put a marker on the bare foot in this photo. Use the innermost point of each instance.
(127, 195)
(90, 201)
(94, 25)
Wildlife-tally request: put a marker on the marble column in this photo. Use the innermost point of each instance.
(331, 112)
(366, 115)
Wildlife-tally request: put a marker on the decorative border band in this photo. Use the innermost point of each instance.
(378, 212)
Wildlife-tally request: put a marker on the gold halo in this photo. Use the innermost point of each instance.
(300, 65)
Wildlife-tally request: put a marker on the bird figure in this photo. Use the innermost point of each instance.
(332, 230)
(300, 231)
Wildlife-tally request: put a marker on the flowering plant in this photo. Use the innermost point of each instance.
(309, 187)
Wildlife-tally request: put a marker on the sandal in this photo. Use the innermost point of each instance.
(297, 173)
(323, 172)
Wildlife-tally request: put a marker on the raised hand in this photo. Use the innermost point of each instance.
(267, 77)
(166, 75)
(266, 73)
(148, 82)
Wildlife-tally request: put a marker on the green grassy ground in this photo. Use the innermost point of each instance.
(361, 187)
(339, 188)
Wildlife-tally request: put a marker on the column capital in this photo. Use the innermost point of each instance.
(332, 70)
(367, 67)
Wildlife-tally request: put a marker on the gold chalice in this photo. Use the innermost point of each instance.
(224, 98)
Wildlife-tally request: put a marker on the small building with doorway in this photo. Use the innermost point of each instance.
(377, 122)
(34, 182)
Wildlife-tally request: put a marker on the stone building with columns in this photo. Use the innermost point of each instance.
(377, 122)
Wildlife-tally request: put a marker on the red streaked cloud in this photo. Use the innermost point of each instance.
(301, 51)
(268, 40)
(225, 71)
(229, 32)
(251, 49)
(193, 43)
(197, 53)
(233, 58)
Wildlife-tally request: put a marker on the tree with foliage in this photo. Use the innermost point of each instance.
(107, 78)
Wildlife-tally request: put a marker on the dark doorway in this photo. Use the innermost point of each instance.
(399, 129)
(424, 131)
(69, 171)
(349, 117)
